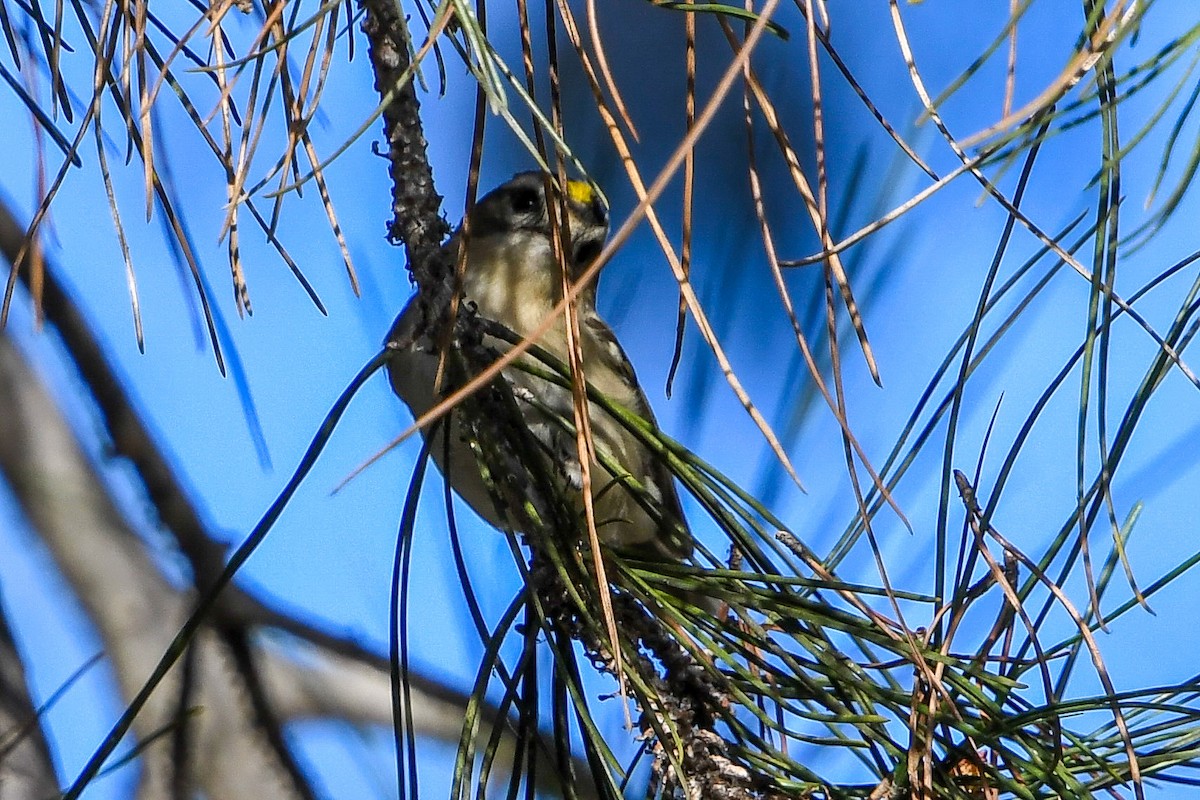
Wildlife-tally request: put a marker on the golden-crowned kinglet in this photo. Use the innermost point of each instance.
(512, 278)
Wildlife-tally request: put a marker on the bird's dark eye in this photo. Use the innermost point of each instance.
(525, 201)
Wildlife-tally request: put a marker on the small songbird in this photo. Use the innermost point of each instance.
(512, 277)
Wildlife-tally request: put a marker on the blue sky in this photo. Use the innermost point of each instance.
(330, 555)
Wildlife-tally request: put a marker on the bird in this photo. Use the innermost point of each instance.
(512, 277)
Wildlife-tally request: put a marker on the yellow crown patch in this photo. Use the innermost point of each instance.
(580, 192)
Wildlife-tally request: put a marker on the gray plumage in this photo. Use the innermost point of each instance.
(512, 278)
